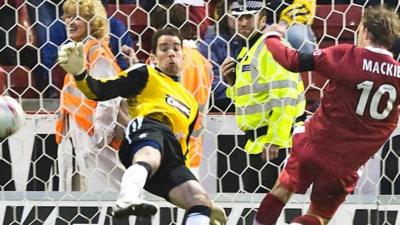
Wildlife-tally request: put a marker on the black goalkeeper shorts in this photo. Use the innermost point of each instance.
(172, 171)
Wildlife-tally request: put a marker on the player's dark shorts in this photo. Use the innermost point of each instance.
(172, 171)
(304, 168)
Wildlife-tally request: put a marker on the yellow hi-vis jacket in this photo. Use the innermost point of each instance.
(266, 95)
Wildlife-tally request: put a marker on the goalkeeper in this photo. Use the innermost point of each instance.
(155, 144)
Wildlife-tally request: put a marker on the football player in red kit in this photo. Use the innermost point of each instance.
(358, 113)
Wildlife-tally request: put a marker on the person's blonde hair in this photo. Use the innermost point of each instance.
(93, 12)
(383, 24)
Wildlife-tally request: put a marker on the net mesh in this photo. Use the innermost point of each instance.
(43, 182)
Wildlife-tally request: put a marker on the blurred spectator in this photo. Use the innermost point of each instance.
(17, 39)
(392, 3)
(119, 36)
(219, 42)
(196, 75)
(149, 4)
(197, 14)
(8, 56)
(96, 129)
(197, 11)
(43, 14)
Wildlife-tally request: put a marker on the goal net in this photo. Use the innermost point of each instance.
(45, 180)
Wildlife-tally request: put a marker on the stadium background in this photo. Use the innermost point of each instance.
(29, 180)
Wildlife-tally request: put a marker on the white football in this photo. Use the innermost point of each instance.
(12, 116)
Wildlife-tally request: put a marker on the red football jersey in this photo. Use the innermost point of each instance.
(358, 111)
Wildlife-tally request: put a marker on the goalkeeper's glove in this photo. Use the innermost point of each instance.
(218, 216)
(71, 58)
(300, 11)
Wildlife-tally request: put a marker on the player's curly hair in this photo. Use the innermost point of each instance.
(91, 11)
(383, 24)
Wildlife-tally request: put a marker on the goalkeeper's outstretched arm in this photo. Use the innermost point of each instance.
(128, 83)
(324, 61)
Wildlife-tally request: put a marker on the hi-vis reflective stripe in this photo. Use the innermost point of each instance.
(73, 90)
(252, 109)
(257, 88)
(197, 133)
(254, 61)
(202, 107)
(94, 48)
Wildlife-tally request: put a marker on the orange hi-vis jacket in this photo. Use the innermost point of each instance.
(197, 77)
(72, 100)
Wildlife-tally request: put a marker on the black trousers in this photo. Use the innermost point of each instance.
(236, 167)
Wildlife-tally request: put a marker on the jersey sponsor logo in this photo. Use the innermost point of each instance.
(178, 105)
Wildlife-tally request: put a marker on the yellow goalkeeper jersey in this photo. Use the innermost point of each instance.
(151, 94)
